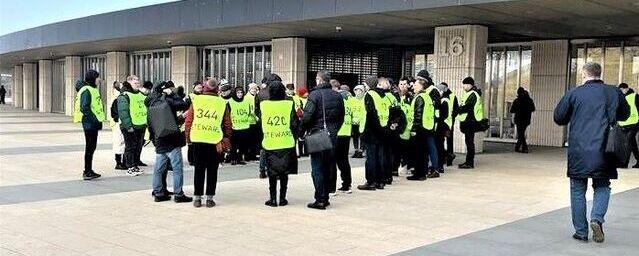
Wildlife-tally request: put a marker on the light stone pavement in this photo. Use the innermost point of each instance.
(46, 210)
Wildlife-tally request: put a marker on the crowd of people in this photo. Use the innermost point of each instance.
(406, 127)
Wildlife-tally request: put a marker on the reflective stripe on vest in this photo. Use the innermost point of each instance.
(96, 104)
(347, 126)
(634, 115)
(240, 114)
(276, 124)
(208, 113)
(408, 112)
(450, 101)
(428, 112)
(137, 109)
(478, 109)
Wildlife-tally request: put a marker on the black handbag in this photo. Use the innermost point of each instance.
(319, 140)
(161, 119)
(617, 141)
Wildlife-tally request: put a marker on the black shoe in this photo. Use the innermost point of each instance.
(210, 203)
(597, 231)
(345, 189)
(636, 165)
(233, 162)
(271, 203)
(466, 166)
(90, 175)
(579, 238)
(182, 198)
(161, 198)
(120, 167)
(317, 205)
(141, 164)
(164, 192)
(283, 202)
(262, 174)
(416, 177)
(449, 163)
(388, 181)
(241, 162)
(440, 170)
(433, 175)
(197, 203)
(396, 174)
(366, 186)
(525, 151)
(379, 186)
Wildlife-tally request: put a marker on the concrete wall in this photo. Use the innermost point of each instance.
(29, 82)
(17, 87)
(45, 85)
(461, 52)
(184, 66)
(72, 73)
(548, 85)
(117, 69)
(288, 59)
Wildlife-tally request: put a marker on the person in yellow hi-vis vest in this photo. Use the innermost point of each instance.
(208, 129)
(471, 111)
(450, 105)
(631, 124)
(342, 146)
(132, 113)
(359, 114)
(241, 119)
(254, 129)
(280, 125)
(425, 106)
(405, 147)
(88, 109)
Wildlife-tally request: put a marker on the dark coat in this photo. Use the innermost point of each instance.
(523, 107)
(373, 132)
(333, 104)
(584, 109)
(167, 143)
(283, 161)
(89, 121)
(470, 125)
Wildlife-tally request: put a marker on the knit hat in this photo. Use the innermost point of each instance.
(423, 74)
(468, 80)
(371, 81)
(301, 91)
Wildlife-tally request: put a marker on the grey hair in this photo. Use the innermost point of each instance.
(592, 69)
(324, 75)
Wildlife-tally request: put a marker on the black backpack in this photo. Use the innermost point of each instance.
(114, 110)
(161, 119)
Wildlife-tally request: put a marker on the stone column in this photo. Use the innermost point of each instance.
(289, 59)
(29, 84)
(72, 73)
(45, 82)
(461, 52)
(117, 69)
(549, 73)
(16, 93)
(184, 66)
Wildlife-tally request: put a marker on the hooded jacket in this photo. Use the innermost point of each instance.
(167, 143)
(89, 121)
(522, 107)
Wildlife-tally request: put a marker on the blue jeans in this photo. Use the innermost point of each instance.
(175, 157)
(578, 188)
(433, 155)
(321, 165)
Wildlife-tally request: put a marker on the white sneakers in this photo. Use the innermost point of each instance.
(134, 171)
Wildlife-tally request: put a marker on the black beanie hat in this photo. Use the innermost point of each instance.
(423, 74)
(469, 80)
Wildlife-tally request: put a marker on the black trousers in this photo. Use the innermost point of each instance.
(206, 165)
(140, 145)
(521, 138)
(272, 182)
(390, 155)
(357, 143)
(301, 148)
(240, 145)
(407, 153)
(91, 142)
(341, 159)
(469, 138)
(421, 154)
(632, 135)
(374, 165)
(449, 145)
(441, 150)
(2, 99)
(132, 147)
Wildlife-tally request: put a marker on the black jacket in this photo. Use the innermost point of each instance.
(418, 113)
(522, 107)
(470, 125)
(373, 131)
(333, 106)
(585, 109)
(167, 143)
(89, 121)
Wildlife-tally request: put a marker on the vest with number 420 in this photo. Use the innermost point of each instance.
(96, 104)
(208, 113)
(240, 114)
(634, 115)
(137, 109)
(478, 109)
(276, 124)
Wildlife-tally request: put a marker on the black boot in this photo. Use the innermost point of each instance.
(283, 189)
(272, 189)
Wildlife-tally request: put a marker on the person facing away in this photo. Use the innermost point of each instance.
(168, 148)
(88, 109)
(118, 145)
(280, 125)
(471, 111)
(589, 110)
(631, 124)
(342, 146)
(324, 110)
(523, 107)
(374, 123)
(3, 93)
(132, 113)
(451, 105)
(208, 128)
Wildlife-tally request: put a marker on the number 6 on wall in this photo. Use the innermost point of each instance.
(454, 47)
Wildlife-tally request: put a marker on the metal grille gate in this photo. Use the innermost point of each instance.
(57, 87)
(240, 64)
(154, 66)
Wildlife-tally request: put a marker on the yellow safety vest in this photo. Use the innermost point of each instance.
(407, 108)
(96, 104)
(428, 111)
(634, 115)
(240, 114)
(347, 126)
(251, 100)
(276, 124)
(382, 106)
(357, 105)
(137, 109)
(208, 114)
(478, 109)
(450, 102)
